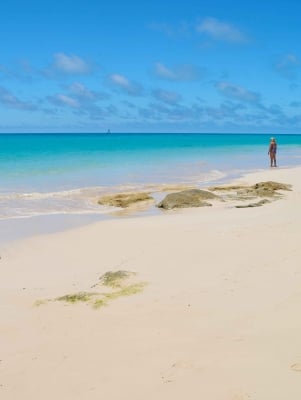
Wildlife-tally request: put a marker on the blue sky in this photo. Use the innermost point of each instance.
(160, 66)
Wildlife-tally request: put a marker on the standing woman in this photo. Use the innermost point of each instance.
(272, 152)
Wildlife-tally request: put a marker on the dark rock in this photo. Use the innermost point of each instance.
(186, 199)
(257, 204)
(226, 188)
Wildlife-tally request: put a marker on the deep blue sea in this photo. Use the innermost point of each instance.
(42, 174)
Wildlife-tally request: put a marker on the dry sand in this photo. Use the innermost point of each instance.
(219, 318)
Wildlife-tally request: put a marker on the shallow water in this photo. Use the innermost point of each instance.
(51, 174)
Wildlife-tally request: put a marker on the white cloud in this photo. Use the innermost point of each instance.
(120, 80)
(11, 101)
(220, 30)
(63, 100)
(70, 64)
(84, 95)
(130, 87)
(237, 92)
(81, 100)
(163, 72)
(288, 66)
(80, 90)
(167, 96)
(185, 72)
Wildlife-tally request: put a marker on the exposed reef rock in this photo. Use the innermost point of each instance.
(266, 189)
(187, 198)
(273, 185)
(124, 200)
(268, 186)
(262, 189)
(192, 197)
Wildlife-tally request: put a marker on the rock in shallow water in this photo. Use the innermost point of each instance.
(186, 199)
(124, 200)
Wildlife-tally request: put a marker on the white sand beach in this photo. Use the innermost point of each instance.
(218, 317)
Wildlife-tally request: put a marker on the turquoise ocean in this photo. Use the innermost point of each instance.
(46, 174)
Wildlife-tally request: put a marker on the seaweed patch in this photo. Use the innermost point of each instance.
(115, 283)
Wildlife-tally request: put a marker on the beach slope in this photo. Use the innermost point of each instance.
(207, 306)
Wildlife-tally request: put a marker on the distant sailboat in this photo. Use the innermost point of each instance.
(109, 131)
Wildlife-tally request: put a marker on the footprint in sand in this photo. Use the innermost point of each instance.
(296, 367)
(179, 369)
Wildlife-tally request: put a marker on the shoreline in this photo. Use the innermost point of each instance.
(83, 200)
(19, 228)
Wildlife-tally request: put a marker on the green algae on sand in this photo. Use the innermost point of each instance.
(115, 281)
(126, 291)
(77, 297)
